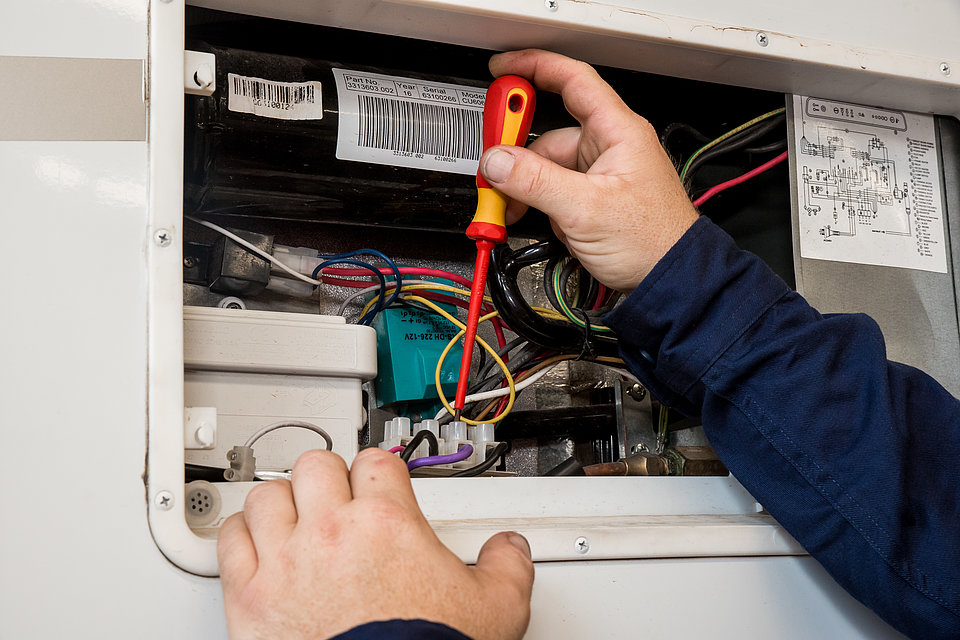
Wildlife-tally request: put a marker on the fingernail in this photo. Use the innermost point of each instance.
(519, 542)
(497, 165)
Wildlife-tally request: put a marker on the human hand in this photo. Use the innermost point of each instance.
(331, 549)
(612, 194)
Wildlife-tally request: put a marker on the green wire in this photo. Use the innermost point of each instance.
(713, 143)
(565, 310)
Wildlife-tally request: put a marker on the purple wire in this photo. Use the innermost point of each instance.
(463, 453)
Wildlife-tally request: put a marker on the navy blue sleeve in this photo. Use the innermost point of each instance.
(856, 456)
(402, 630)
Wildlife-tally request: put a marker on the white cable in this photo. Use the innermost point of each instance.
(499, 393)
(290, 423)
(376, 287)
(260, 252)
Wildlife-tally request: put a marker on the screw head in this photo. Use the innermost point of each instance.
(944, 68)
(189, 262)
(762, 39)
(551, 5)
(163, 500)
(581, 545)
(637, 391)
(638, 448)
(163, 238)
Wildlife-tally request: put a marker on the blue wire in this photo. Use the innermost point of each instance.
(368, 318)
(373, 252)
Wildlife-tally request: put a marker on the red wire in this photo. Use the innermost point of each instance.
(723, 186)
(601, 297)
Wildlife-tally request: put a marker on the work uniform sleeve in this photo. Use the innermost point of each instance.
(856, 456)
(402, 630)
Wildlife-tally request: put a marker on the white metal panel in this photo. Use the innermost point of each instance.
(716, 598)
(700, 40)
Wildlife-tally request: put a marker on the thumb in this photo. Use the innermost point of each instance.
(528, 177)
(505, 562)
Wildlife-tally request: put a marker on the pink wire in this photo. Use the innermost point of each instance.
(723, 186)
(397, 449)
(413, 271)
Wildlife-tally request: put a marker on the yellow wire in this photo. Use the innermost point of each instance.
(482, 343)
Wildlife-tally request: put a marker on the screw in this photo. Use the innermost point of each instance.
(762, 39)
(232, 456)
(638, 448)
(163, 238)
(190, 262)
(582, 545)
(637, 391)
(944, 68)
(551, 5)
(163, 500)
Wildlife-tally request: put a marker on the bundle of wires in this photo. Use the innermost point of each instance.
(578, 301)
(759, 136)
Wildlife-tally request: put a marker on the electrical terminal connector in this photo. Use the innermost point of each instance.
(243, 465)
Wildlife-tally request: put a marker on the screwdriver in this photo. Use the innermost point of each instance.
(507, 114)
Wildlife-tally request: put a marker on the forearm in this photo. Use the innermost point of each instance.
(854, 455)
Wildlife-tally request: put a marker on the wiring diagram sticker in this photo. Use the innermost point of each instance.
(868, 184)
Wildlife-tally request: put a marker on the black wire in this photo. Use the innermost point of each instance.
(492, 456)
(415, 442)
(589, 284)
(779, 145)
(674, 127)
(483, 372)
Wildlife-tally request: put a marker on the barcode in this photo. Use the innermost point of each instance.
(418, 128)
(273, 94)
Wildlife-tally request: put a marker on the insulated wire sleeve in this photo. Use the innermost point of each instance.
(492, 456)
(415, 441)
(464, 452)
(396, 449)
(723, 186)
(503, 367)
(250, 247)
(713, 143)
(565, 309)
(290, 423)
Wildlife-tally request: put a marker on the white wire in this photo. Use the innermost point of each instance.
(260, 252)
(290, 423)
(498, 393)
(376, 287)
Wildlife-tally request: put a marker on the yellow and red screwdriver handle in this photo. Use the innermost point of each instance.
(507, 114)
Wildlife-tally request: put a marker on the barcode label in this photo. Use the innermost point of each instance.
(409, 123)
(273, 99)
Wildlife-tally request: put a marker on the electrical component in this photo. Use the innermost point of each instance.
(235, 271)
(409, 343)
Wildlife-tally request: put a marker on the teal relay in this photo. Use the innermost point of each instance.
(409, 343)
